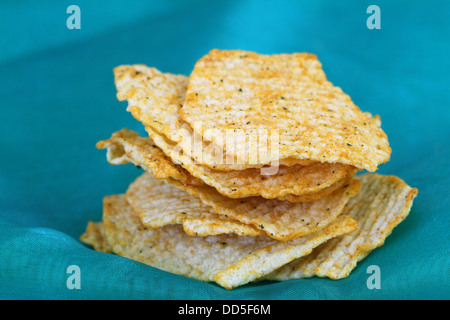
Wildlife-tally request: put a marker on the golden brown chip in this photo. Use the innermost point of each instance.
(95, 237)
(296, 180)
(384, 202)
(126, 146)
(281, 220)
(215, 225)
(322, 193)
(229, 260)
(287, 94)
(155, 99)
(158, 204)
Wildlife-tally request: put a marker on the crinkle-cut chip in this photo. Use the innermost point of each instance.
(229, 260)
(95, 237)
(384, 202)
(155, 99)
(295, 180)
(281, 220)
(127, 146)
(210, 226)
(158, 204)
(322, 193)
(288, 93)
(286, 221)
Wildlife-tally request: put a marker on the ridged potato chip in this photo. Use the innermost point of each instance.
(221, 200)
(127, 146)
(229, 260)
(281, 220)
(383, 203)
(155, 99)
(293, 181)
(95, 237)
(158, 204)
(286, 93)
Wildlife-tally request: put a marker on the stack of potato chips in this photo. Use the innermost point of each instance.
(251, 166)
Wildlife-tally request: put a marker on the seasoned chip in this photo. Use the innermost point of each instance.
(288, 94)
(384, 202)
(210, 226)
(155, 99)
(95, 237)
(229, 260)
(322, 193)
(126, 146)
(158, 204)
(251, 164)
(281, 220)
(295, 180)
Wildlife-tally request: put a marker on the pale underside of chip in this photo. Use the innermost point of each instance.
(294, 183)
(95, 237)
(288, 94)
(158, 204)
(204, 211)
(155, 99)
(229, 260)
(383, 203)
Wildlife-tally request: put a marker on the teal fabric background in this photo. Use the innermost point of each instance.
(58, 99)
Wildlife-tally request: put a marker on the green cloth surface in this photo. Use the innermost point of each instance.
(58, 99)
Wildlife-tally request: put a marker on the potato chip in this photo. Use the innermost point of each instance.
(296, 180)
(288, 94)
(229, 260)
(126, 146)
(158, 204)
(322, 193)
(95, 237)
(155, 99)
(214, 225)
(281, 220)
(384, 202)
